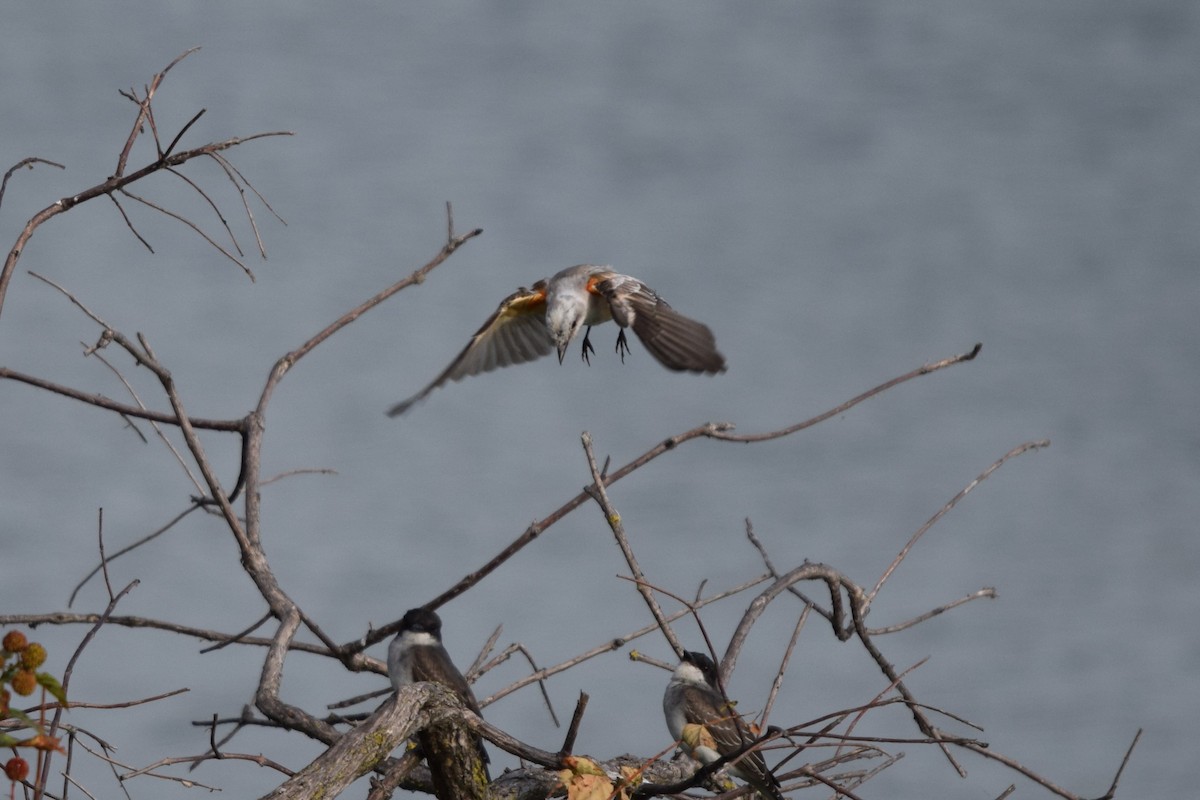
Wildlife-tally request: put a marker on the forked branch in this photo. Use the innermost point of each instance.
(164, 159)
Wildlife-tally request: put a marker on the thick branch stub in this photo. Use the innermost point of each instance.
(419, 707)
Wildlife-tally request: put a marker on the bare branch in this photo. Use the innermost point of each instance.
(24, 162)
(180, 218)
(453, 242)
(504, 656)
(100, 401)
(568, 744)
(186, 127)
(144, 108)
(777, 684)
(984, 593)
(596, 490)
(119, 180)
(217, 209)
(105, 561)
(1016, 451)
(614, 644)
(712, 430)
(129, 223)
(833, 412)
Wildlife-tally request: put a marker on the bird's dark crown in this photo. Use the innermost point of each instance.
(422, 620)
(703, 663)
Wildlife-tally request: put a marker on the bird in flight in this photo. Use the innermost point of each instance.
(530, 323)
(694, 700)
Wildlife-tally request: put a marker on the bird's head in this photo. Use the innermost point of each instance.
(422, 620)
(564, 318)
(697, 668)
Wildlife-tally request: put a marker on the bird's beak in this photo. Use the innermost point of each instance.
(562, 351)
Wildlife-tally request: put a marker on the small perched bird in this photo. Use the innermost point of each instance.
(531, 322)
(693, 698)
(417, 654)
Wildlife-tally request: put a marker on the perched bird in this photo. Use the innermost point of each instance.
(531, 322)
(694, 699)
(417, 654)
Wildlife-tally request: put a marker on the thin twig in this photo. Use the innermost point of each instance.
(199, 231)
(144, 108)
(477, 666)
(283, 365)
(1112, 788)
(241, 635)
(24, 162)
(105, 561)
(618, 529)
(162, 436)
(777, 684)
(103, 558)
(987, 593)
(117, 182)
(70, 668)
(1016, 451)
(613, 644)
(833, 412)
(517, 647)
(215, 208)
(775, 573)
(568, 745)
(186, 127)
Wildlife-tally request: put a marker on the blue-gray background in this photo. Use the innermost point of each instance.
(842, 190)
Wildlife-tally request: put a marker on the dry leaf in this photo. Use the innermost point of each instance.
(696, 735)
(585, 780)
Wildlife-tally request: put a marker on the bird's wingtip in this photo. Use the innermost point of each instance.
(401, 407)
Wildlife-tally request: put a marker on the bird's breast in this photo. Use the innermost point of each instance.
(598, 310)
(673, 711)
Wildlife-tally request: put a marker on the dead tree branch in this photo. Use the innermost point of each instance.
(119, 180)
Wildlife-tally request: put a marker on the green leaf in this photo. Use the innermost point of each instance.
(51, 685)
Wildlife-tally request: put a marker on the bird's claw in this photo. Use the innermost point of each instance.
(587, 346)
(622, 345)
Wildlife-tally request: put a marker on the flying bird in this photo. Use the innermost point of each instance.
(694, 699)
(530, 323)
(417, 654)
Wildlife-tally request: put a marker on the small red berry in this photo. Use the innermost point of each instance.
(14, 641)
(33, 656)
(24, 682)
(17, 769)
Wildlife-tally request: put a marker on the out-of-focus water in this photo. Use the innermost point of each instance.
(842, 191)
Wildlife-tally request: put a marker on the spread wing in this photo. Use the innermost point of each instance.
(679, 343)
(514, 334)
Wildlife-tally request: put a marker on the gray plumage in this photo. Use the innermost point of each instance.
(417, 654)
(692, 698)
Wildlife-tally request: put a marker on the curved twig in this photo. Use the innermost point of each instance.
(1016, 451)
(24, 162)
(833, 412)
